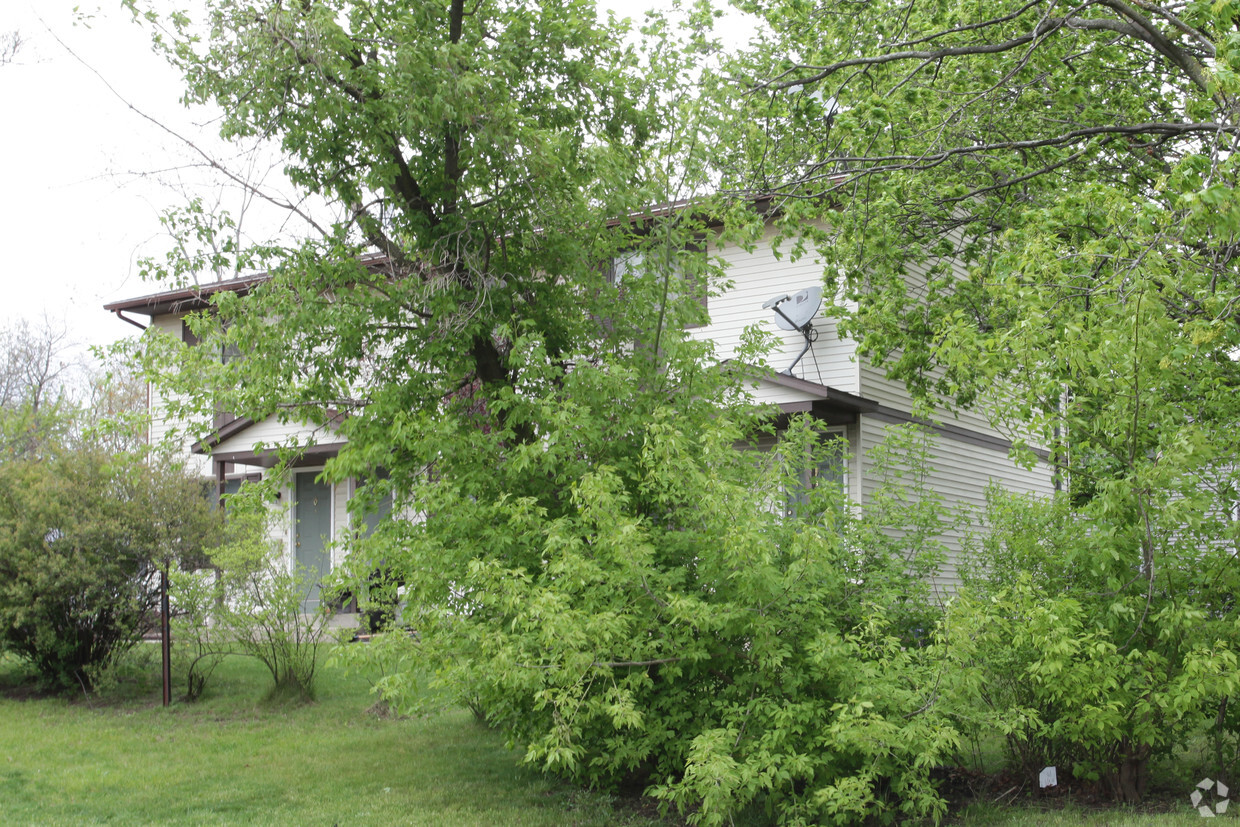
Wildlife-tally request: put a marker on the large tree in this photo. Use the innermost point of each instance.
(1034, 205)
(479, 150)
(496, 326)
(1051, 147)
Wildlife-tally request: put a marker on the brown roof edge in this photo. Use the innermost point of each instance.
(185, 299)
(760, 202)
(310, 455)
(205, 445)
(197, 297)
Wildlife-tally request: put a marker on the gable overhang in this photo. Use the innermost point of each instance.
(227, 444)
(831, 405)
(183, 300)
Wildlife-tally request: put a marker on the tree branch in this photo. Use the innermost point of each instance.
(611, 664)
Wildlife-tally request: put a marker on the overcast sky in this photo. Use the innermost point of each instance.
(85, 177)
(78, 209)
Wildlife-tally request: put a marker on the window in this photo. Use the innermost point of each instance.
(232, 484)
(376, 512)
(228, 352)
(829, 470)
(688, 272)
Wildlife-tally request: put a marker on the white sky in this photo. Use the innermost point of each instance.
(85, 178)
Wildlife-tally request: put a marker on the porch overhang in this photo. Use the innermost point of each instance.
(830, 405)
(315, 454)
(313, 444)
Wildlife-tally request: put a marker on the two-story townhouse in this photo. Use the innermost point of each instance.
(829, 382)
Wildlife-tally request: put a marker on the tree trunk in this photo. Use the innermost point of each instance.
(1132, 776)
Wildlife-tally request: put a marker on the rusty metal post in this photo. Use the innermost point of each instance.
(165, 629)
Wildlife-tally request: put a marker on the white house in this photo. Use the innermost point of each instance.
(829, 382)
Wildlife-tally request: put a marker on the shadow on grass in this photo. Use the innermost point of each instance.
(289, 692)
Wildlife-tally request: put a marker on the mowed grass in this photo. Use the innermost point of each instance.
(984, 815)
(231, 758)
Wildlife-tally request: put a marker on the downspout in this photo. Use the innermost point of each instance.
(120, 314)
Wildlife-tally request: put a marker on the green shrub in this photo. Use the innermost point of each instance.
(82, 535)
(676, 614)
(259, 611)
(1076, 657)
(198, 645)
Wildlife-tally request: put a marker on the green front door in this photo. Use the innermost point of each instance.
(312, 529)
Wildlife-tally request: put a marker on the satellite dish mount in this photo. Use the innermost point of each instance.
(796, 312)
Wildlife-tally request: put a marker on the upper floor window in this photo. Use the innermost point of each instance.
(228, 352)
(685, 268)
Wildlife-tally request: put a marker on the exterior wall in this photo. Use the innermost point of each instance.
(270, 433)
(874, 384)
(877, 387)
(755, 277)
(960, 472)
(161, 425)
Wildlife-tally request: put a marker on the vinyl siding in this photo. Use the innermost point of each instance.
(959, 473)
(874, 384)
(342, 492)
(161, 425)
(755, 277)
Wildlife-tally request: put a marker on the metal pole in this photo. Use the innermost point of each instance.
(165, 633)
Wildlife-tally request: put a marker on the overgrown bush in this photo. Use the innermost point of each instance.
(677, 614)
(259, 610)
(1082, 657)
(82, 535)
(199, 644)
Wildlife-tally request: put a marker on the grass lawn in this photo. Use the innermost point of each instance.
(231, 758)
(985, 816)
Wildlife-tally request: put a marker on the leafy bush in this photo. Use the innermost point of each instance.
(656, 615)
(259, 609)
(198, 644)
(81, 536)
(1081, 660)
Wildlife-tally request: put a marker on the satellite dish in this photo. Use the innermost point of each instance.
(796, 312)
